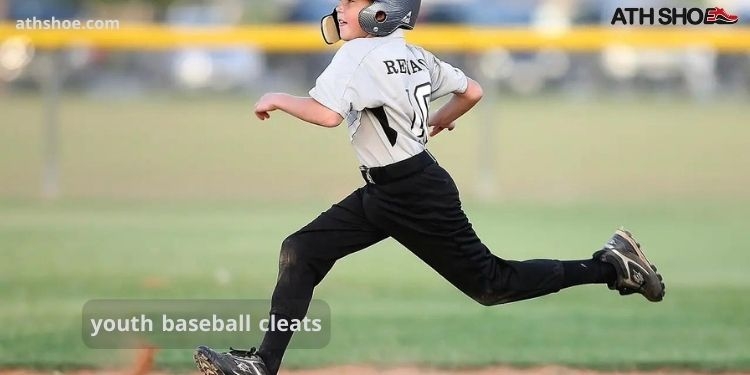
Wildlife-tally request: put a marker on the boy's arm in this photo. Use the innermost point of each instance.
(303, 108)
(459, 104)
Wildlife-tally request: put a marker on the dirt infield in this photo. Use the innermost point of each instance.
(362, 370)
(143, 364)
(548, 370)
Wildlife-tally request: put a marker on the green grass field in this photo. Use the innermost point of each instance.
(161, 196)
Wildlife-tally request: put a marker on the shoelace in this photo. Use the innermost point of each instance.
(243, 353)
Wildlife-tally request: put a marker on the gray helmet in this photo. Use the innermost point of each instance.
(381, 18)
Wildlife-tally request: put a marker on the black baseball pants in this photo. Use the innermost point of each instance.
(422, 211)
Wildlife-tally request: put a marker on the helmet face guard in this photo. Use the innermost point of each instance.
(329, 27)
(380, 18)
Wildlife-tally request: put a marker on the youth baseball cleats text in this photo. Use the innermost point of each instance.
(635, 274)
(236, 362)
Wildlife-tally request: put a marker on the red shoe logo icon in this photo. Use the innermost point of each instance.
(720, 16)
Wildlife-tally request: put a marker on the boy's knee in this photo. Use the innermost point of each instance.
(290, 252)
(298, 258)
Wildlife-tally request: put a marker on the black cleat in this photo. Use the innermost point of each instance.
(236, 362)
(635, 274)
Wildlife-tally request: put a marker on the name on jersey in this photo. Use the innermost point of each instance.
(404, 66)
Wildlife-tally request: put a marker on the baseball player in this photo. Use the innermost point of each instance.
(382, 87)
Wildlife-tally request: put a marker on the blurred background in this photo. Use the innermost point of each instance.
(58, 83)
(700, 71)
(131, 166)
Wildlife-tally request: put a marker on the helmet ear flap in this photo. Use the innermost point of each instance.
(329, 27)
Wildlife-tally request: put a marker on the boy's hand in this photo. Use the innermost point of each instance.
(460, 103)
(265, 104)
(437, 128)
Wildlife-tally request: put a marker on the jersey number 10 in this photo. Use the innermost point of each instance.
(421, 98)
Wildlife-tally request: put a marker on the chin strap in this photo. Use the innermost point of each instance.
(329, 27)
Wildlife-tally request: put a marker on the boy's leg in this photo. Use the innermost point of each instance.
(306, 257)
(431, 224)
(423, 212)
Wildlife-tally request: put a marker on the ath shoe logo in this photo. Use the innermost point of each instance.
(407, 18)
(673, 16)
(720, 16)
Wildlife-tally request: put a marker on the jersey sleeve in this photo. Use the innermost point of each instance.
(345, 84)
(444, 77)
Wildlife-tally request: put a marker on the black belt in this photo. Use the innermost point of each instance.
(398, 170)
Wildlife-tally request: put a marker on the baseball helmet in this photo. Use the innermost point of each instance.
(380, 18)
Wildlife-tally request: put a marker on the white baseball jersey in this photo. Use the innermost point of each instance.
(382, 88)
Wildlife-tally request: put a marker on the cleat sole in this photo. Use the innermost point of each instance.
(205, 366)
